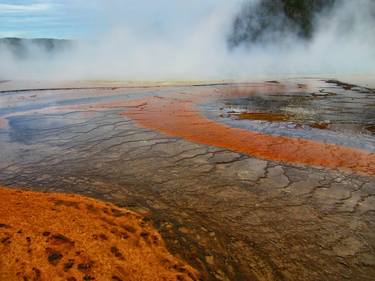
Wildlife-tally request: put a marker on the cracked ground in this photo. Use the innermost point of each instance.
(232, 213)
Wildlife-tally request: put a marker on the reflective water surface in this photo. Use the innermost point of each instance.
(332, 113)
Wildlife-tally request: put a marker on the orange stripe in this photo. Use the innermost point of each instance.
(178, 117)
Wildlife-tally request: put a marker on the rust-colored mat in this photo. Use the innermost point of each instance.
(45, 236)
(178, 117)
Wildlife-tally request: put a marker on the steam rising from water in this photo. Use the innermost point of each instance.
(342, 44)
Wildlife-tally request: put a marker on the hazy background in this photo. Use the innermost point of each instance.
(178, 39)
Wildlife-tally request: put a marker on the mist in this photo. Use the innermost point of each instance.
(199, 49)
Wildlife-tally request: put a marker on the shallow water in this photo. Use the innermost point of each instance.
(234, 203)
(331, 114)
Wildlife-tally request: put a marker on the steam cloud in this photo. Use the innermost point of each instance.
(272, 20)
(339, 41)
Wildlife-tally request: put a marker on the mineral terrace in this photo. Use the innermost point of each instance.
(233, 192)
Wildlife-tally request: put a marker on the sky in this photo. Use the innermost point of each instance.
(75, 19)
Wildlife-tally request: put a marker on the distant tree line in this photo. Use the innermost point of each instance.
(23, 48)
(272, 20)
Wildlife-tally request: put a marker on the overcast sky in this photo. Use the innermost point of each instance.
(84, 18)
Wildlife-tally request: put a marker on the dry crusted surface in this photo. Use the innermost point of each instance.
(66, 237)
(230, 215)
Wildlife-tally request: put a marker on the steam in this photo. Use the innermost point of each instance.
(342, 43)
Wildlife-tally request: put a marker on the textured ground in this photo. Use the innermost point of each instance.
(66, 237)
(231, 215)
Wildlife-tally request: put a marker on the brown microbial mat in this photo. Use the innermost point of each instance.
(50, 237)
(277, 117)
(264, 116)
